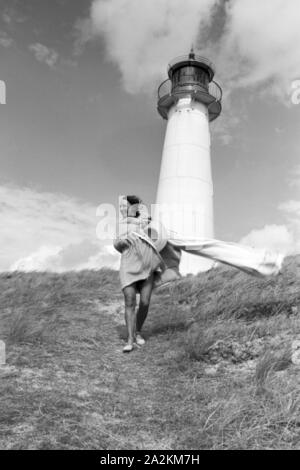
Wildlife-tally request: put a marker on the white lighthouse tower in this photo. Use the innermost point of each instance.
(189, 99)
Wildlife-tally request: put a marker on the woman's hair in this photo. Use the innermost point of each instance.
(135, 200)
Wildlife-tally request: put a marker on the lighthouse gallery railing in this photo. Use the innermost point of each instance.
(213, 89)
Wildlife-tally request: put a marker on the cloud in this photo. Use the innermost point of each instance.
(253, 43)
(291, 211)
(11, 15)
(225, 128)
(273, 237)
(5, 40)
(142, 37)
(285, 238)
(294, 177)
(49, 56)
(75, 257)
(261, 44)
(40, 260)
(6, 17)
(291, 207)
(44, 54)
(83, 33)
(53, 231)
(106, 257)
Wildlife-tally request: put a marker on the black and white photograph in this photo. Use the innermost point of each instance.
(149, 228)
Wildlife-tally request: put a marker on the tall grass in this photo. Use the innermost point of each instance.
(215, 372)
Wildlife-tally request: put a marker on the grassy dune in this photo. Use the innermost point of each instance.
(215, 373)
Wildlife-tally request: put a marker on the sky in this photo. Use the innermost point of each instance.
(80, 125)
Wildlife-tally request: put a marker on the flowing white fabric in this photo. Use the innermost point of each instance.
(257, 262)
(247, 259)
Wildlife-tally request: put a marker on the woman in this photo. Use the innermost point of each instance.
(139, 261)
(146, 264)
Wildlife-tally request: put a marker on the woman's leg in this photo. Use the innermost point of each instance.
(130, 315)
(145, 296)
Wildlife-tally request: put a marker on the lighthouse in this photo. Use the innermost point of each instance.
(189, 100)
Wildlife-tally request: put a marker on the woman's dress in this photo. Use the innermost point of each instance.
(139, 256)
(138, 262)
